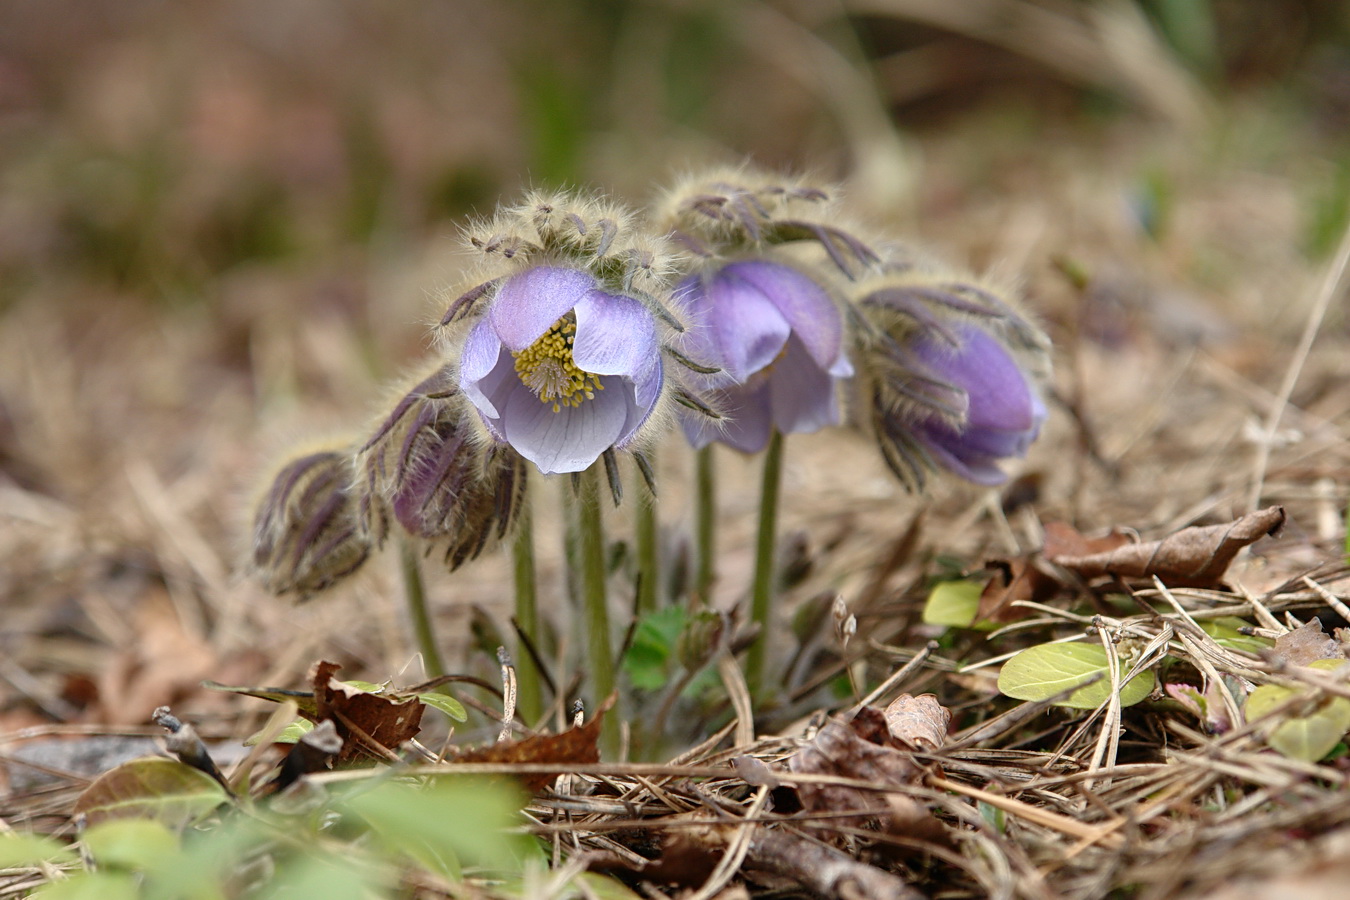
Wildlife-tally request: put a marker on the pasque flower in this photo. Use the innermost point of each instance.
(996, 411)
(777, 337)
(561, 368)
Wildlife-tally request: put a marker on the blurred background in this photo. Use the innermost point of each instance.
(224, 226)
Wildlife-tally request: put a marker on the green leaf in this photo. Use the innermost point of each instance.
(647, 661)
(453, 821)
(151, 788)
(1041, 672)
(289, 735)
(20, 850)
(1308, 737)
(445, 703)
(91, 886)
(130, 844)
(953, 603)
(1226, 634)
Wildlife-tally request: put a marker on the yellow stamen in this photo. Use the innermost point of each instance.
(547, 368)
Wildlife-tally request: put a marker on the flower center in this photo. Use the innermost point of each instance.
(547, 368)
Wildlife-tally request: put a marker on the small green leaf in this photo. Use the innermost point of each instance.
(130, 844)
(445, 703)
(20, 850)
(1226, 634)
(1309, 737)
(1041, 672)
(289, 735)
(648, 659)
(953, 603)
(153, 788)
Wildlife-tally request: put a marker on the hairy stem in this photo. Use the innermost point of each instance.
(415, 593)
(530, 699)
(765, 543)
(705, 522)
(591, 554)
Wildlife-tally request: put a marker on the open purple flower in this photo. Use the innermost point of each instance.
(561, 369)
(1002, 411)
(778, 339)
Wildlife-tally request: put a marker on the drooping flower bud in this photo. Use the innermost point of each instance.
(306, 533)
(424, 467)
(953, 376)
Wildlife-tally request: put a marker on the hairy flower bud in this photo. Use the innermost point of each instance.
(306, 534)
(424, 467)
(953, 374)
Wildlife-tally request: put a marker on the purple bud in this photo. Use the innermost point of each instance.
(306, 534)
(1002, 411)
(423, 466)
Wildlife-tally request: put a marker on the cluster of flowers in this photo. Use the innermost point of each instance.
(741, 305)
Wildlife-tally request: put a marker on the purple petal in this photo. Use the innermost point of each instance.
(736, 326)
(570, 439)
(530, 302)
(644, 393)
(805, 305)
(477, 361)
(615, 335)
(802, 396)
(745, 424)
(1000, 397)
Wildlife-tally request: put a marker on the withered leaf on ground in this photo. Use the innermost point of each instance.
(919, 723)
(576, 745)
(1192, 557)
(862, 748)
(1019, 578)
(1306, 644)
(384, 721)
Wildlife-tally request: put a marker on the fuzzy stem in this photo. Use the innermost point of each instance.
(648, 554)
(705, 522)
(591, 555)
(765, 543)
(530, 701)
(415, 593)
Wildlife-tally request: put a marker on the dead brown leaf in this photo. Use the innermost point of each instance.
(1306, 644)
(919, 723)
(370, 724)
(1192, 557)
(577, 745)
(861, 748)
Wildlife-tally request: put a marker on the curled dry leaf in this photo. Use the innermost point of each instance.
(862, 748)
(368, 723)
(1192, 557)
(575, 746)
(919, 723)
(1305, 644)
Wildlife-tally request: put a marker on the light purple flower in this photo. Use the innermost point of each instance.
(1001, 411)
(560, 369)
(779, 341)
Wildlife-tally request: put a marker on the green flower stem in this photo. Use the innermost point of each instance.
(530, 700)
(705, 522)
(765, 544)
(591, 555)
(415, 593)
(648, 553)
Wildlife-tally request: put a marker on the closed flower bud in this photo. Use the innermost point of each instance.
(306, 534)
(424, 467)
(954, 375)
